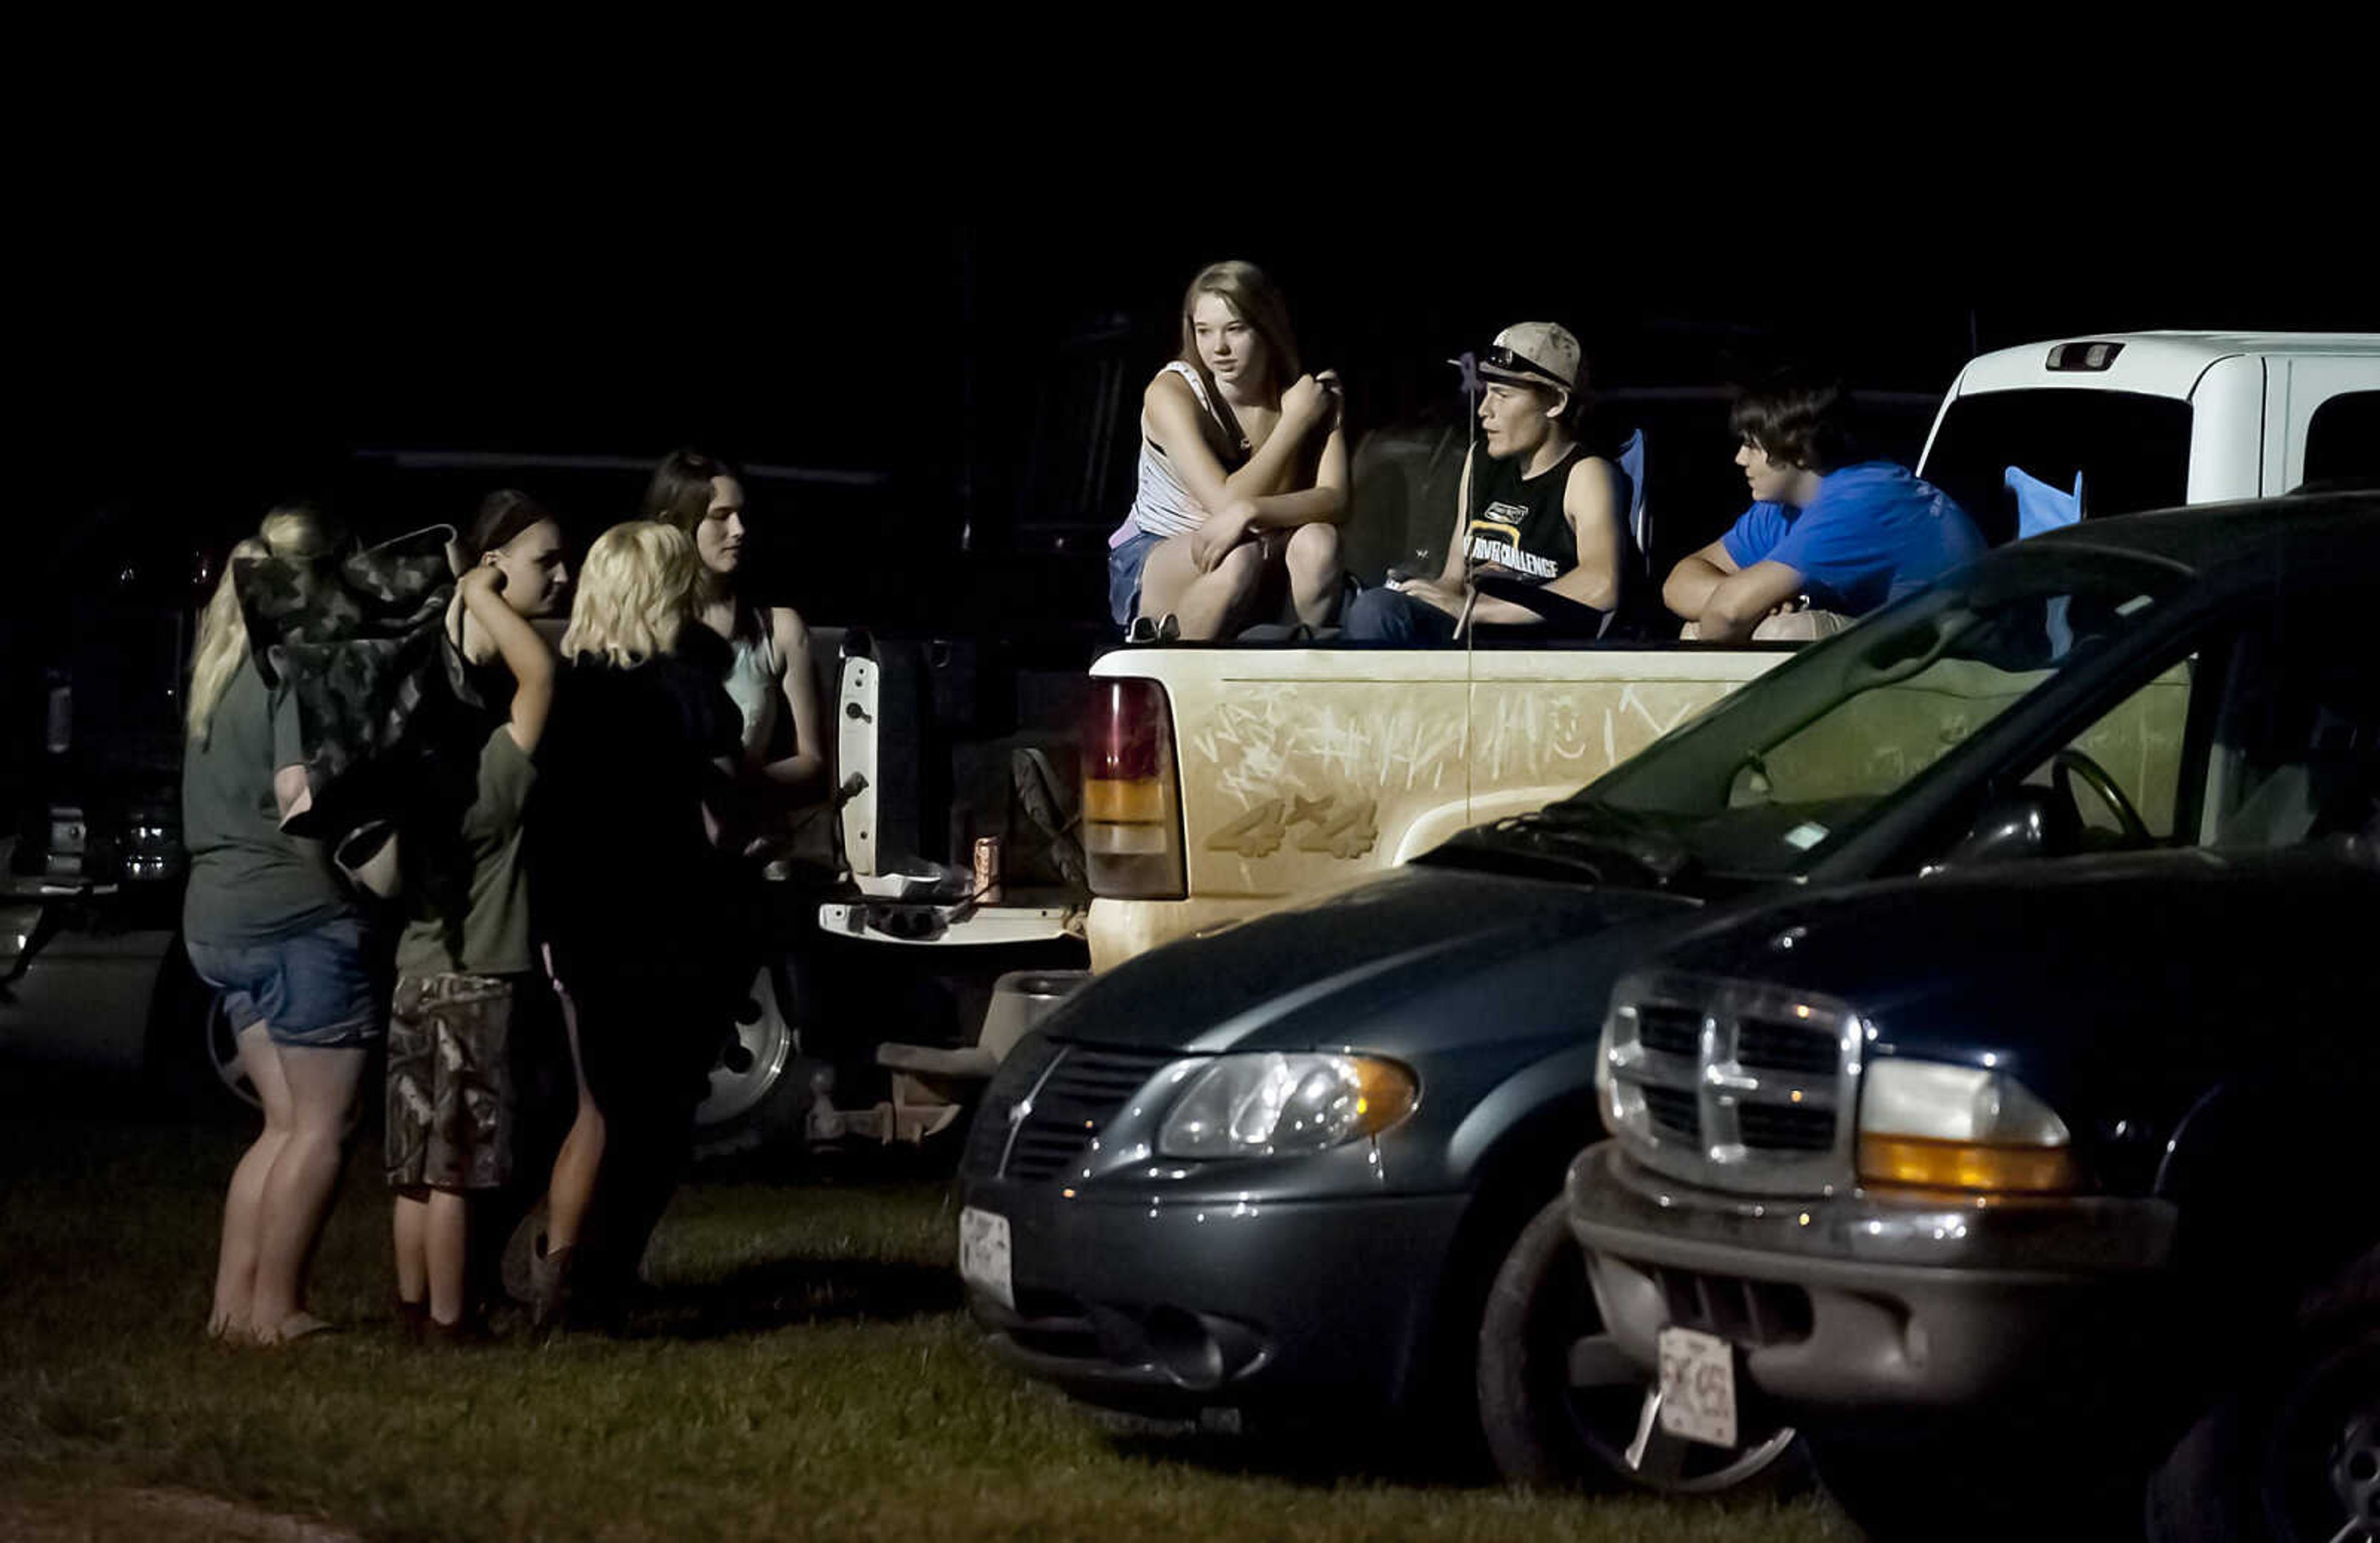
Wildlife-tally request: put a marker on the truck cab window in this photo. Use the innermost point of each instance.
(2343, 440)
(2132, 451)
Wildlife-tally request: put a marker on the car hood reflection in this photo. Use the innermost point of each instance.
(1306, 978)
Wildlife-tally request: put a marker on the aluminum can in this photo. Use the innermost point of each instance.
(986, 871)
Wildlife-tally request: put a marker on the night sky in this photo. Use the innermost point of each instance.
(215, 325)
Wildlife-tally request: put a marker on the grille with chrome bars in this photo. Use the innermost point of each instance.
(1734, 1084)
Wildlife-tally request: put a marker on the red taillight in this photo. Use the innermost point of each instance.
(1132, 817)
(1128, 720)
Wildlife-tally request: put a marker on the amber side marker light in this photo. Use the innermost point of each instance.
(1388, 1092)
(1919, 1162)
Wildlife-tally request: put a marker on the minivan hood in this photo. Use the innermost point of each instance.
(1329, 974)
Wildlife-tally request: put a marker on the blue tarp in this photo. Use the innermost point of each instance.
(2041, 507)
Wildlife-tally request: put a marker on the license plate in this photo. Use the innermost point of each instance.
(1697, 1387)
(984, 1258)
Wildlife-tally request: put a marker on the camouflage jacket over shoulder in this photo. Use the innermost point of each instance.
(362, 646)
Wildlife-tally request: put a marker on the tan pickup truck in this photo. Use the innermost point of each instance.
(1222, 781)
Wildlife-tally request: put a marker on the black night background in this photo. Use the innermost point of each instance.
(926, 346)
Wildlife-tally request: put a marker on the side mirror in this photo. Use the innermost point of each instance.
(2016, 823)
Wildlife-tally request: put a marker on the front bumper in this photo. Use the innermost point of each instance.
(1178, 1303)
(1866, 1304)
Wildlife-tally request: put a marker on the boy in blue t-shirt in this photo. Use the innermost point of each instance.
(1826, 523)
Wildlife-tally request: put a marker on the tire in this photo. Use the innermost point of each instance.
(761, 1087)
(1544, 1431)
(191, 1057)
(2295, 1455)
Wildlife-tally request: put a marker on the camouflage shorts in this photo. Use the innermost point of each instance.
(450, 1098)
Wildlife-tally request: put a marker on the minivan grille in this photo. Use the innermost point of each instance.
(1066, 1093)
(1733, 1084)
(1020, 1072)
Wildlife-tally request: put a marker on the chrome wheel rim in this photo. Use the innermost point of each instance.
(1617, 1415)
(2355, 1476)
(750, 1067)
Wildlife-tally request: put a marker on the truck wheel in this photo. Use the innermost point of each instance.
(2295, 1455)
(759, 1087)
(1546, 1428)
(221, 1040)
(191, 1056)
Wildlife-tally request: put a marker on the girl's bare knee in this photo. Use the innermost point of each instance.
(1314, 551)
(314, 1141)
(319, 1121)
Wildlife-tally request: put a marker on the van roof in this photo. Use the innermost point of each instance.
(2153, 363)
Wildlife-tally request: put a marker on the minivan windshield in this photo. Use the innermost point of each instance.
(1758, 784)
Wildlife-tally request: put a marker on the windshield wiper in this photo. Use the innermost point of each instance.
(1487, 849)
(1594, 833)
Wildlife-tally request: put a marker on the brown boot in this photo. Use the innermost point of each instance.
(549, 1272)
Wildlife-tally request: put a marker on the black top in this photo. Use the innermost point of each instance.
(1517, 526)
(624, 876)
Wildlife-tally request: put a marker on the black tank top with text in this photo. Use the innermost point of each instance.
(1517, 522)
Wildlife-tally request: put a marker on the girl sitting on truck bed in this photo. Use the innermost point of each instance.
(1242, 472)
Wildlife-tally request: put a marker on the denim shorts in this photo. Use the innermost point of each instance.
(1124, 564)
(312, 989)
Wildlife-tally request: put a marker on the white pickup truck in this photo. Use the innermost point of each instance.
(1222, 781)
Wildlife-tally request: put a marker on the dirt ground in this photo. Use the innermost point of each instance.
(63, 1513)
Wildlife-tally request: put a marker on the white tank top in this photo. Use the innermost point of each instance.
(752, 681)
(1163, 506)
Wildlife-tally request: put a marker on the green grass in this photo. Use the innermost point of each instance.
(804, 1370)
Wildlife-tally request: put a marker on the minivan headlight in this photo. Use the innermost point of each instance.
(1266, 1103)
(1943, 1127)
